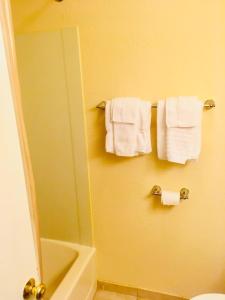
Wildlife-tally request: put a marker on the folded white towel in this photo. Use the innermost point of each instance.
(161, 130)
(124, 110)
(183, 111)
(179, 129)
(128, 126)
(109, 145)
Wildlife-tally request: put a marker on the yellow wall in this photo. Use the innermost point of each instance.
(151, 49)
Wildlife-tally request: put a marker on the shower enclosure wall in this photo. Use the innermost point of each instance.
(51, 86)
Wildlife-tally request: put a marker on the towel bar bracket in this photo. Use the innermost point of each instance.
(209, 104)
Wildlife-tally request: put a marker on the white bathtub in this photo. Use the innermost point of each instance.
(68, 270)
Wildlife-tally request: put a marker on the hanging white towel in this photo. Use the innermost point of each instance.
(179, 129)
(161, 130)
(183, 111)
(128, 126)
(144, 122)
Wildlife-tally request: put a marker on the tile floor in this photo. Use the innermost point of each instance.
(105, 295)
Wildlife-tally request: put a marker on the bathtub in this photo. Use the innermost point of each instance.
(68, 270)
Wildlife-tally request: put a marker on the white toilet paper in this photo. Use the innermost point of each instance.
(170, 198)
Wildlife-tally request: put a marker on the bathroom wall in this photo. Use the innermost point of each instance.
(151, 49)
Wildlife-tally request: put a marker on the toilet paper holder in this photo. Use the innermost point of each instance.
(157, 191)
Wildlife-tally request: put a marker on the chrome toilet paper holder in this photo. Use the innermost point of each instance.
(157, 191)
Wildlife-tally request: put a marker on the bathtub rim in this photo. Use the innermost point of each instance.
(71, 278)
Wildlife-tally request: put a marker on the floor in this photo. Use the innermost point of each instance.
(105, 295)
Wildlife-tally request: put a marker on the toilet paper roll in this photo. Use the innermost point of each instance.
(170, 198)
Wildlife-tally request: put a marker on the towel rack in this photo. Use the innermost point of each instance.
(157, 191)
(208, 104)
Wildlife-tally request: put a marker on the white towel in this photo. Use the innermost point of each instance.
(179, 129)
(128, 126)
(183, 111)
(161, 130)
(124, 110)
